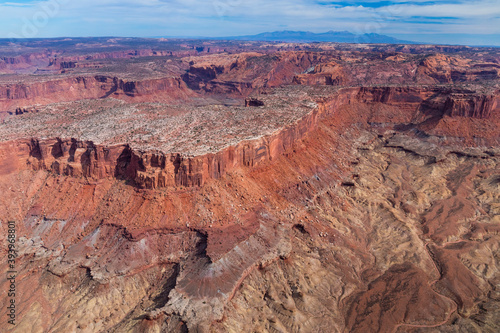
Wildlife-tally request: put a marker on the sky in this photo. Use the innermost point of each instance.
(470, 22)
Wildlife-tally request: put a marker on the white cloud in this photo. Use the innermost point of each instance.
(236, 17)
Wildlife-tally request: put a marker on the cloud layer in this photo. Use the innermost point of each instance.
(418, 18)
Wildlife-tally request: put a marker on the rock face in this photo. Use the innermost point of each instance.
(253, 102)
(245, 72)
(369, 208)
(70, 89)
(472, 106)
(323, 74)
(401, 106)
(440, 68)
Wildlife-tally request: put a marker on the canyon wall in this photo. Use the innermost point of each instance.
(246, 72)
(240, 75)
(59, 60)
(389, 106)
(440, 68)
(76, 88)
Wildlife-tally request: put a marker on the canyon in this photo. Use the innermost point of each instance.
(209, 186)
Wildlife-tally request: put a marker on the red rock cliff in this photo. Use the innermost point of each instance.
(156, 169)
(99, 86)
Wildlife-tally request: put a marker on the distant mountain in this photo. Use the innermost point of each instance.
(330, 36)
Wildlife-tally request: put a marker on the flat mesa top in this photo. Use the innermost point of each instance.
(193, 127)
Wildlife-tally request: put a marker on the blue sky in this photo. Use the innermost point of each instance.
(447, 21)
